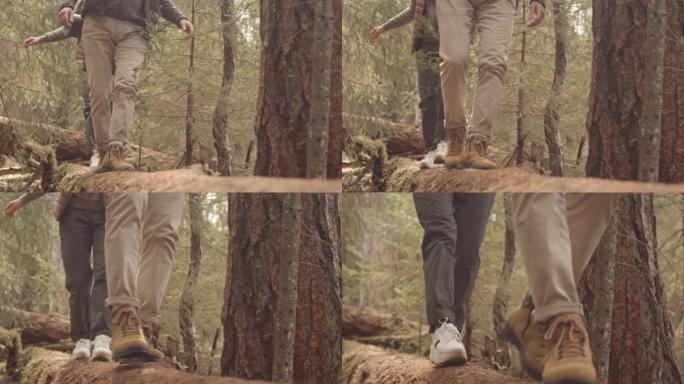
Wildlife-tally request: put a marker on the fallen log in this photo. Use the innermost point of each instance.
(42, 366)
(361, 322)
(364, 364)
(189, 180)
(406, 140)
(35, 327)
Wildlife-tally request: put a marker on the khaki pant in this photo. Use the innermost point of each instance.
(114, 53)
(557, 235)
(134, 277)
(493, 20)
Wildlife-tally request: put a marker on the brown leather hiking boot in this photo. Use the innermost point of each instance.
(528, 336)
(151, 332)
(113, 160)
(455, 139)
(474, 155)
(570, 359)
(127, 336)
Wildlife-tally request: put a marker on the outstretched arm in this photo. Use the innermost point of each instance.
(172, 14)
(536, 13)
(404, 17)
(13, 206)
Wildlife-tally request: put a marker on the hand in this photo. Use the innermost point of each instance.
(66, 16)
(535, 14)
(377, 31)
(12, 207)
(31, 41)
(186, 26)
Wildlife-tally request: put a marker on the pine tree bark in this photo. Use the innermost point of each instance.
(285, 90)
(288, 277)
(641, 330)
(251, 296)
(319, 116)
(502, 296)
(520, 125)
(618, 104)
(220, 118)
(187, 300)
(552, 113)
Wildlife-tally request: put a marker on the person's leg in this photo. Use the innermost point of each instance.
(100, 315)
(495, 27)
(435, 213)
(161, 223)
(431, 105)
(75, 236)
(471, 212)
(99, 56)
(544, 239)
(87, 116)
(122, 258)
(589, 215)
(455, 22)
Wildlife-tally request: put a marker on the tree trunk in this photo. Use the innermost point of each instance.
(220, 119)
(602, 315)
(187, 300)
(520, 126)
(624, 73)
(641, 331)
(319, 116)
(190, 108)
(502, 296)
(288, 278)
(285, 90)
(552, 114)
(249, 313)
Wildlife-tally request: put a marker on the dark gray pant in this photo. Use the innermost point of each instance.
(454, 225)
(430, 91)
(82, 232)
(88, 118)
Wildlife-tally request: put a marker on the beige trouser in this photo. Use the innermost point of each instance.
(557, 236)
(114, 53)
(134, 277)
(494, 22)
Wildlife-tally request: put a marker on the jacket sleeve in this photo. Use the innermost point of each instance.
(170, 12)
(543, 2)
(66, 3)
(30, 196)
(58, 34)
(404, 17)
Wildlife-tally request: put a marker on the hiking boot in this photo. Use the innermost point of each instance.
(114, 160)
(528, 336)
(455, 139)
(151, 332)
(101, 348)
(127, 335)
(474, 155)
(446, 347)
(570, 359)
(441, 152)
(428, 161)
(81, 350)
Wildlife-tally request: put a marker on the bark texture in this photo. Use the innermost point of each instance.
(251, 294)
(285, 90)
(220, 119)
(502, 297)
(187, 300)
(618, 104)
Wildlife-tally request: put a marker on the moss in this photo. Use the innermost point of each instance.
(40, 365)
(401, 173)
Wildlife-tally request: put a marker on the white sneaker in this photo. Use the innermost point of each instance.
(81, 350)
(102, 350)
(447, 347)
(441, 152)
(94, 160)
(428, 161)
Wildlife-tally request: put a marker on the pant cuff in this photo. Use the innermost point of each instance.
(105, 332)
(541, 314)
(114, 301)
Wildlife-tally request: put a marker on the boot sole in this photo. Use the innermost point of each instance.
(513, 339)
(570, 381)
(134, 355)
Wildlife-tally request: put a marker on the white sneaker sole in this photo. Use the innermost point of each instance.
(102, 355)
(81, 356)
(457, 357)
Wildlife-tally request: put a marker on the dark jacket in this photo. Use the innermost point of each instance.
(140, 12)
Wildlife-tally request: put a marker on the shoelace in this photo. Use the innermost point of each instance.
(452, 333)
(130, 324)
(569, 345)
